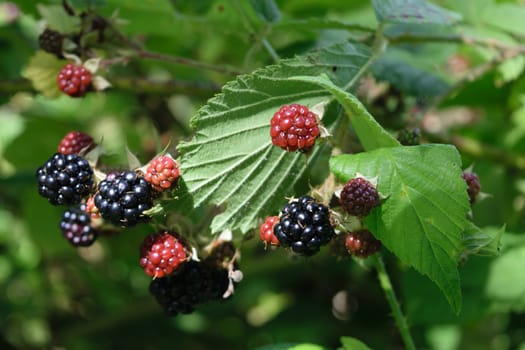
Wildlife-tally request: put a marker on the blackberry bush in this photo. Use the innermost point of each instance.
(304, 226)
(161, 253)
(123, 197)
(294, 127)
(65, 179)
(76, 227)
(359, 196)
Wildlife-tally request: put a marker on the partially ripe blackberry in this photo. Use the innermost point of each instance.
(76, 227)
(51, 41)
(65, 179)
(304, 226)
(195, 282)
(473, 185)
(266, 230)
(74, 142)
(294, 127)
(409, 137)
(362, 243)
(74, 80)
(91, 208)
(162, 173)
(161, 253)
(123, 197)
(359, 196)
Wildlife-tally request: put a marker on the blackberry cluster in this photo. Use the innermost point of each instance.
(74, 142)
(195, 282)
(123, 197)
(76, 227)
(294, 127)
(161, 253)
(65, 179)
(359, 196)
(304, 226)
(74, 80)
(409, 137)
(361, 243)
(473, 185)
(51, 41)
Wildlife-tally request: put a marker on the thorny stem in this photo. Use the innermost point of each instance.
(384, 281)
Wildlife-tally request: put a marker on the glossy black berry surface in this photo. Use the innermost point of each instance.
(65, 179)
(76, 227)
(304, 226)
(123, 197)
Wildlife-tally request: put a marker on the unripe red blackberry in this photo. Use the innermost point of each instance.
(123, 197)
(359, 196)
(304, 225)
(74, 142)
(91, 208)
(266, 230)
(74, 80)
(76, 227)
(65, 179)
(51, 41)
(162, 173)
(361, 243)
(294, 127)
(473, 185)
(161, 253)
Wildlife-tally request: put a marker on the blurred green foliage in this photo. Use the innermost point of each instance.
(58, 296)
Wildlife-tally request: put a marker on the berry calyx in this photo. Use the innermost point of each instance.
(161, 253)
(123, 197)
(76, 227)
(361, 243)
(51, 41)
(294, 127)
(65, 179)
(266, 230)
(304, 225)
(74, 80)
(162, 173)
(74, 142)
(473, 185)
(359, 196)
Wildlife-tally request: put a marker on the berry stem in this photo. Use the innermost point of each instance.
(386, 285)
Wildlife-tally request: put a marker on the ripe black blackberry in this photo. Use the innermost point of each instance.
(123, 197)
(473, 185)
(51, 41)
(195, 282)
(76, 227)
(304, 226)
(359, 196)
(65, 179)
(409, 137)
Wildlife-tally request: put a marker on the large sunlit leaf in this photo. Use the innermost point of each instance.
(412, 11)
(42, 70)
(231, 161)
(423, 217)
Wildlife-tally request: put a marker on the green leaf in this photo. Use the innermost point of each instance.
(42, 70)
(508, 17)
(370, 133)
(413, 11)
(267, 10)
(292, 346)
(350, 343)
(424, 215)
(409, 79)
(481, 242)
(231, 160)
(58, 19)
